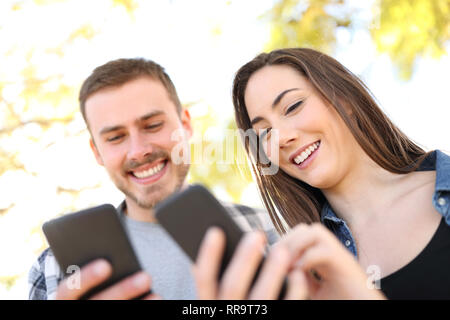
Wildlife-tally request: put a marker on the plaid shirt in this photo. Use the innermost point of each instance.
(45, 274)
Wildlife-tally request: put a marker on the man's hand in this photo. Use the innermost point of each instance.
(237, 279)
(99, 271)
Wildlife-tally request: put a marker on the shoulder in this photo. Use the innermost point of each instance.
(250, 218)
(44, 277)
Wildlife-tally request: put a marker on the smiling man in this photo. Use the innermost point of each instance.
(132, 112)
(131, 127)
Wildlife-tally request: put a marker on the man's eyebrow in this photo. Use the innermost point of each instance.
(150, 115)
(141, 119)
(274, 104)
(110, 129)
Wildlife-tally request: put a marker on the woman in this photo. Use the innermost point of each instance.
(344, 169)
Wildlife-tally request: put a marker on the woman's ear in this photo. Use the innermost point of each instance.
(347, 107)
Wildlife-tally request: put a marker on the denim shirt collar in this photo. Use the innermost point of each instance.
(436, 160)
(442, 172)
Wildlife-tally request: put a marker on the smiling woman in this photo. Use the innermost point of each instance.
(345, 166)
(343, 99)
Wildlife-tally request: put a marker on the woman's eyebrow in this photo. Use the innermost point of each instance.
(274, 104)
(280, 96)
(257, 119)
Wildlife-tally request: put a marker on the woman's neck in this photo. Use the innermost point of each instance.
(365, 192)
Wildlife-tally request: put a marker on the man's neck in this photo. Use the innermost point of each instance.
(138, 213)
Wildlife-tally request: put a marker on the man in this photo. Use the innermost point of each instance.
(132, 111)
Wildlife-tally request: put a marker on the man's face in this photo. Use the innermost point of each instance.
(132, 130)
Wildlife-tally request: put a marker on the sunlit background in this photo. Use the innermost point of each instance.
(48, 47)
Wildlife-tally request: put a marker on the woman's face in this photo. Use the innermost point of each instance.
(314, 144)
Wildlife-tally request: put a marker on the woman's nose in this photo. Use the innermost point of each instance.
(286, 137)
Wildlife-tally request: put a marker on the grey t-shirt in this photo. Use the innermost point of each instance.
(168, 266)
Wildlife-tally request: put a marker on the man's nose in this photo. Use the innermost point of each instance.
(139, 148)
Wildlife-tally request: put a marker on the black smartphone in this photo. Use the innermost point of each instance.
(188, 214)
(81, 237)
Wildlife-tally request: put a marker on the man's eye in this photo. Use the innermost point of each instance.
(154, 126)
(114, 138)
(293, 107)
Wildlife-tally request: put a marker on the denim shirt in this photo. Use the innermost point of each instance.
(437, 160)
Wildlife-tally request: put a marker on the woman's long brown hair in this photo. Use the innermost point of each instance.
(291, 199)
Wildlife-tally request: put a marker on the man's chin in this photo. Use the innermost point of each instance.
(150, 200)
(151, 197)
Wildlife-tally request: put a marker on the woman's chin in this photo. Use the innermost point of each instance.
(316, 180)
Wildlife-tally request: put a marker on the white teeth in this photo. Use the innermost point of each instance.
(150, 172)
(305, 154)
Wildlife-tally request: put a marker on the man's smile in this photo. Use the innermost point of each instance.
(150, 172)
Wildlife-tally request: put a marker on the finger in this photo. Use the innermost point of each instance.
(314, 259)
(81, 282)
(131, 287)
(299, 239)
(208, 262)
(304, 236)
(272, 274)
(238, 277)
(297, 286)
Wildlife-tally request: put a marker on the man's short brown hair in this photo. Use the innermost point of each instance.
(119, 72)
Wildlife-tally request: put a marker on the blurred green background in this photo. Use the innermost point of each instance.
(48, 47)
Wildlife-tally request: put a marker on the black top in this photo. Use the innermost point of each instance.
(428, 275)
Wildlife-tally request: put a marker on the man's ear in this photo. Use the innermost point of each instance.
(186, 122)
(95, 151)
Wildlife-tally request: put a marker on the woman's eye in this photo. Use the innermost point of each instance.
(293, 107)
(265, 133)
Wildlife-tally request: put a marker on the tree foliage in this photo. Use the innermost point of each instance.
(38, 106)
(404, 29)
(219, 160)
(409, 29)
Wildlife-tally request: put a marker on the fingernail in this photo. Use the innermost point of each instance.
(211, 233)
(141, 281)
(252, 238)
(101, 268)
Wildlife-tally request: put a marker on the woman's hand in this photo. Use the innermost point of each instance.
(237, 279)
(316, 251)
(315, 262)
